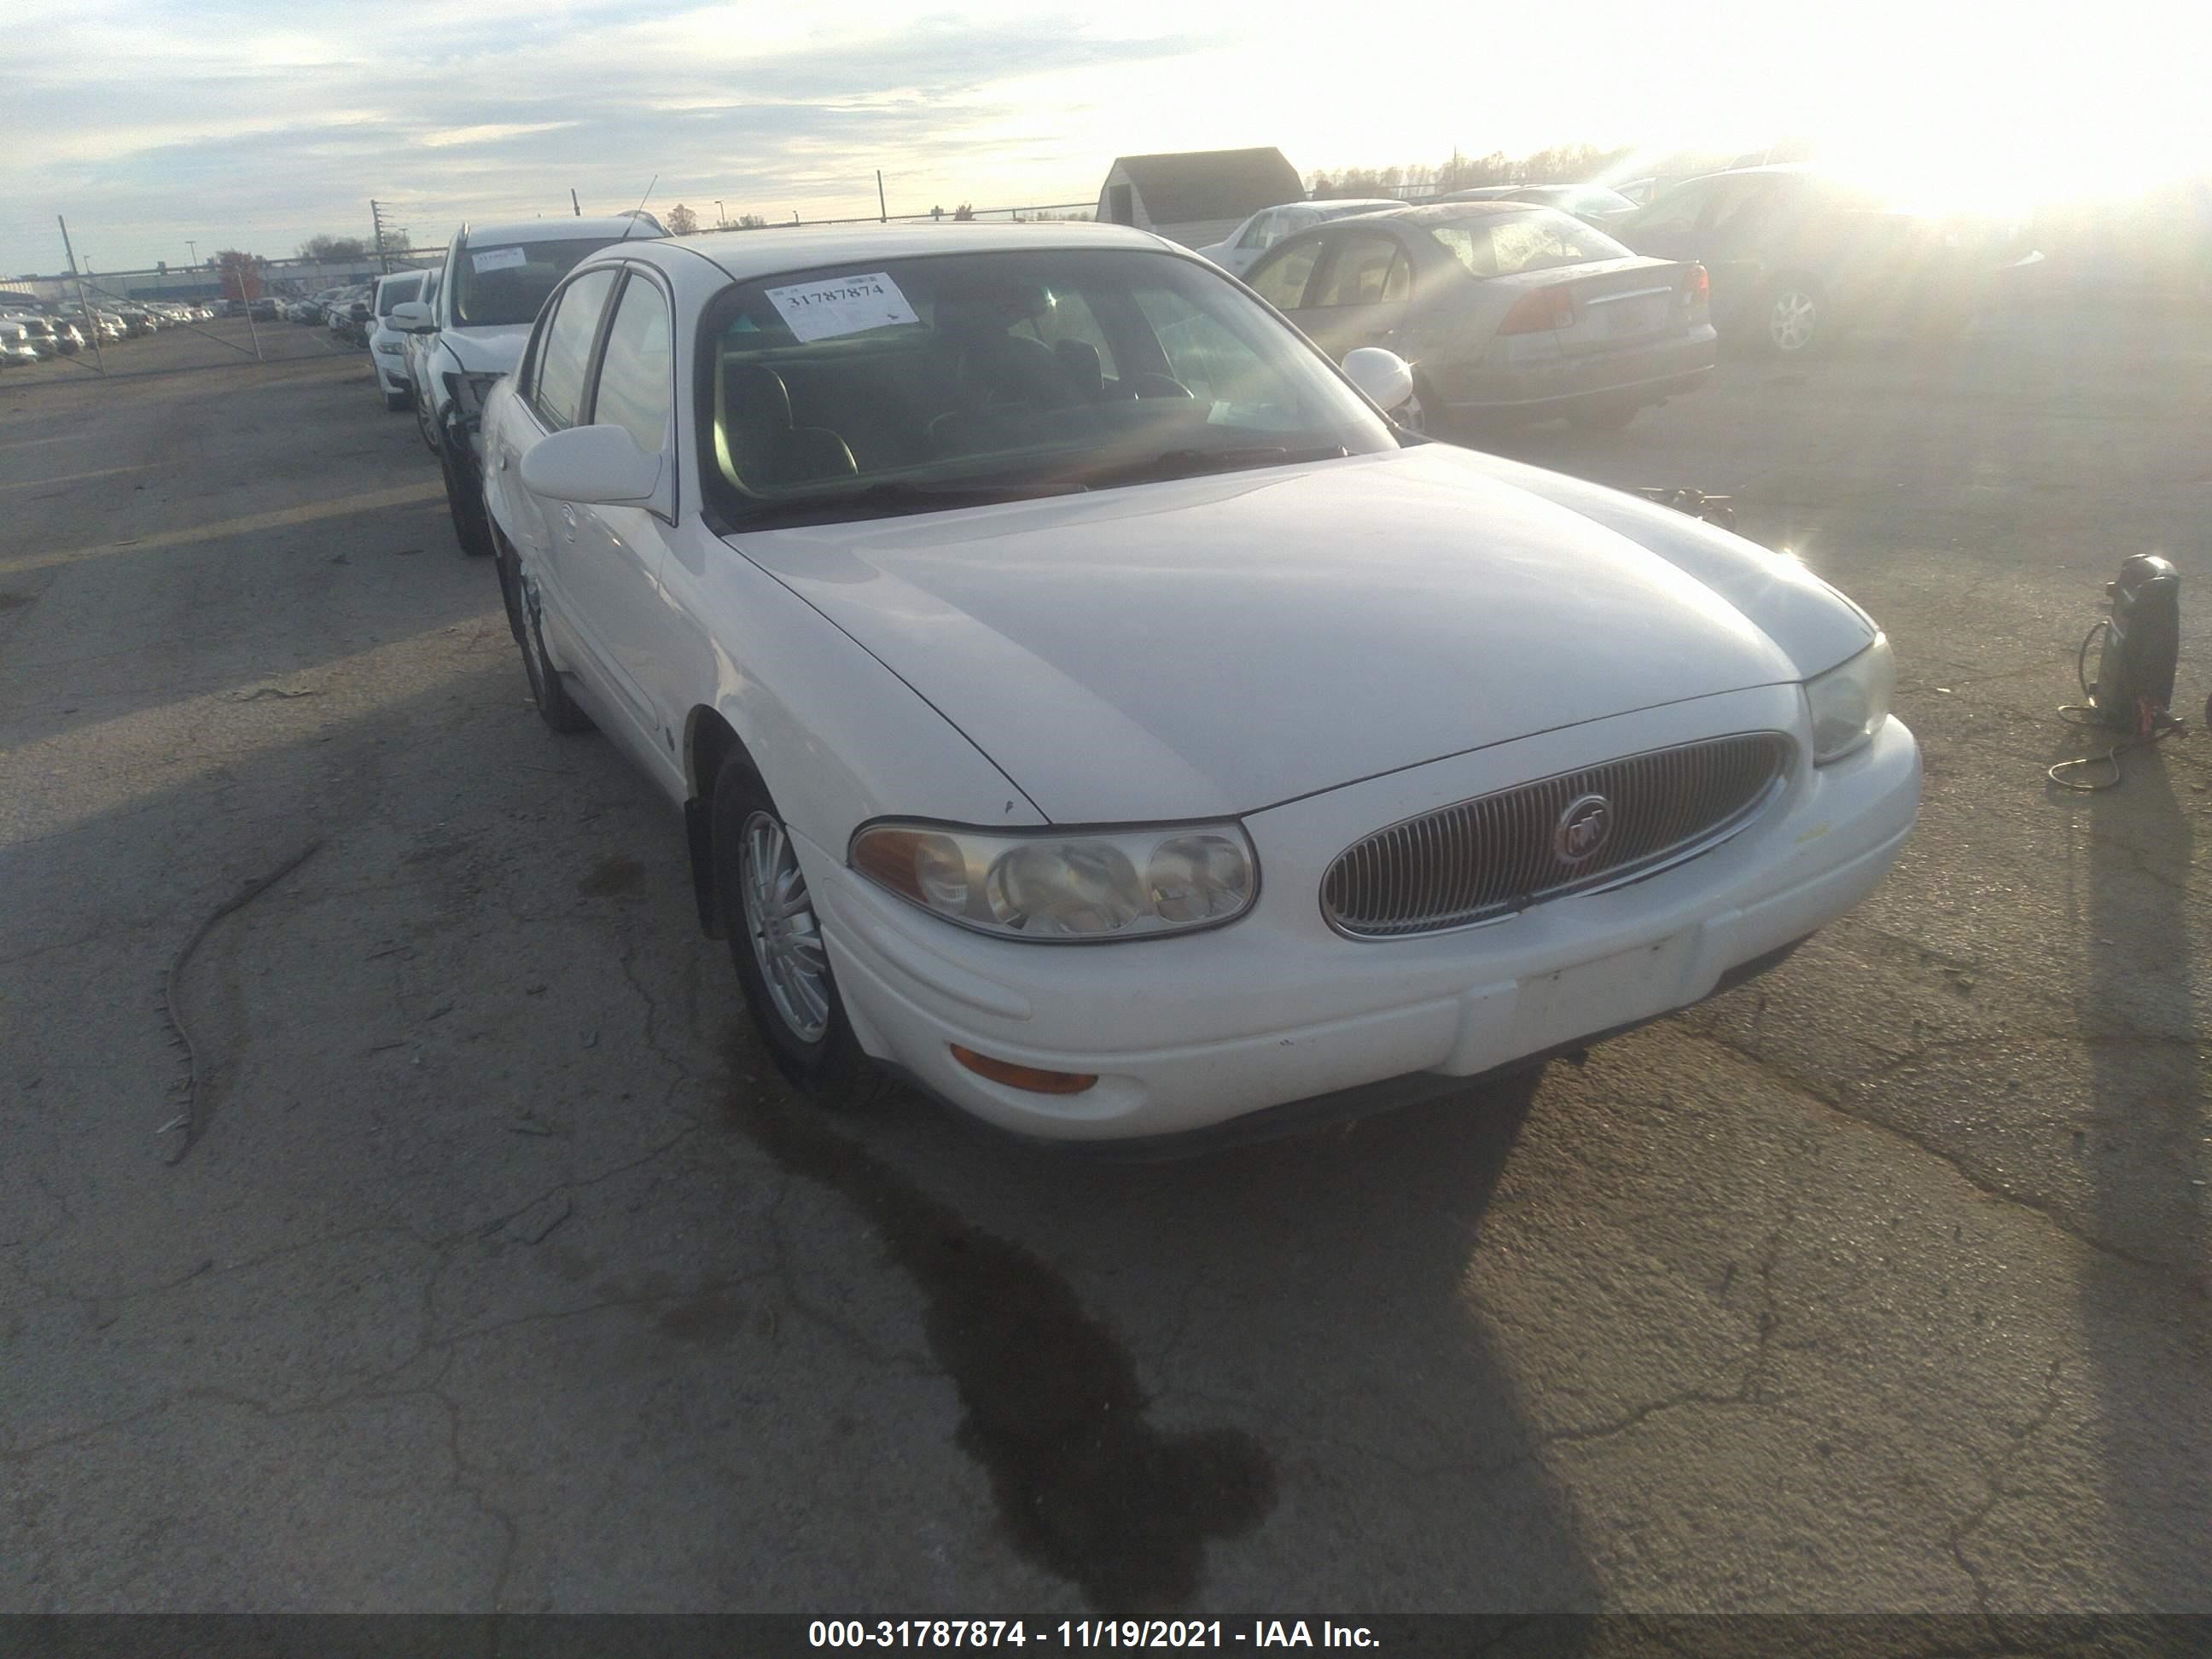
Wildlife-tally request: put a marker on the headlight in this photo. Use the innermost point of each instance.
(469, 391)
(392, 347)
(1849, 703)
(1069, 887)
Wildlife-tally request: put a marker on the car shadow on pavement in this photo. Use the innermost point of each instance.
(2150, 1143)
(1272, 1344)
(1242, 1381)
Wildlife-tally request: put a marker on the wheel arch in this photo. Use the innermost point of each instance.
(709, 740)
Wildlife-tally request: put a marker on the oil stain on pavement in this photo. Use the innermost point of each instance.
(1086, 1486)
(610, 876)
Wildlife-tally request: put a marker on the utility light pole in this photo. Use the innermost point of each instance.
(722, 219)
(99, 357)
(193, 248)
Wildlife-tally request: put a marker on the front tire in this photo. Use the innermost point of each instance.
(776, 945)
(510, 584)
(471, 525)
(555, 706)
(422, 426)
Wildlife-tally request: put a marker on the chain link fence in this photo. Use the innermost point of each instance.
(73, 324)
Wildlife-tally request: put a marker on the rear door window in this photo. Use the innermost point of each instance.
(565, 352)
(1361, 274)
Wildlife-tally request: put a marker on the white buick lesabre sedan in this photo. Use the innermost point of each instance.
(1086, 703)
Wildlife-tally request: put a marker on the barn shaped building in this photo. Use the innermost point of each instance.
(1197, 197)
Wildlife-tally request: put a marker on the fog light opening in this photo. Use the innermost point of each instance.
(1033, 1079)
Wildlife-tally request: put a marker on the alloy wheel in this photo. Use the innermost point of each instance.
(787, 941)
(1792, 318)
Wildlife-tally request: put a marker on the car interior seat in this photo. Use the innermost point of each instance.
(765, 450)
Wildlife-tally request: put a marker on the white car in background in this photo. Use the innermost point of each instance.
(494, 279)
(1236, 251)
(39, 330)
(387, 346)
(1086, 703)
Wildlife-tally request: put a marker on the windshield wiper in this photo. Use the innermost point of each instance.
(963, 492)
(890, 496)
(1195, 462)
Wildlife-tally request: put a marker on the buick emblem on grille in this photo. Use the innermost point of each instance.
(1583, 827)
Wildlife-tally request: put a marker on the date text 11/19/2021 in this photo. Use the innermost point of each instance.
(1080, 1633)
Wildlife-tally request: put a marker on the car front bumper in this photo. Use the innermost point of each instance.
(390, 369)
(1188, 1034)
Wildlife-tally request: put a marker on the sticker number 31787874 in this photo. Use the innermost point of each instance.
(843, 305)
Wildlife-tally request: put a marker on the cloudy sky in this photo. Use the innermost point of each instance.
(259, 122)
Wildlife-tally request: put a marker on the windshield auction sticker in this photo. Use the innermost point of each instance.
(498, 259)
(845, 305)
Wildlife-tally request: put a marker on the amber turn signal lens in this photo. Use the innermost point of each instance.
(1022, 1076)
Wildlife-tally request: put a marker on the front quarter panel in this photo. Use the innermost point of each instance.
(501, 483)
(1815, 626)
(839, 738)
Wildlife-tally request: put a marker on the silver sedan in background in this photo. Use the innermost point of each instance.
(1508, 312)
(1236, 251)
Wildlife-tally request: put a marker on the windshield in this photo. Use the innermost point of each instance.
(1587, 199)
(502, 284)
(943, 380)
(1506, 244)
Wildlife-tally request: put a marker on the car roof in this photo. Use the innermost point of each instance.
(746, 254)
(559, 230)
(1436, 213)
(1777, 169)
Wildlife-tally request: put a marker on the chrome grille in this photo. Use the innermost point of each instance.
(1479, 859)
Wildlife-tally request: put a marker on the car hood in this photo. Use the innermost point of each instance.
(1213, 646)
(486, 350)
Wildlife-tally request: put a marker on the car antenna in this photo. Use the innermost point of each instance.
(639, 208)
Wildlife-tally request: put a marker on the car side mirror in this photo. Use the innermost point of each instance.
(591, 463)
(1385, 377)
(412, 317)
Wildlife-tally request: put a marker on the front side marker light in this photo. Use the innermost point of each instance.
(1035, 1079)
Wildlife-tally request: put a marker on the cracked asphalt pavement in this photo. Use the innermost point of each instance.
(502, 1274)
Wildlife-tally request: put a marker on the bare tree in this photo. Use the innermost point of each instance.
(334, 247)
(682, 222)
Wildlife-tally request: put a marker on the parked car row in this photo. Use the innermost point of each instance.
(31, 337)
(1792, 257)
(960, 587)
(464, 330)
